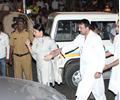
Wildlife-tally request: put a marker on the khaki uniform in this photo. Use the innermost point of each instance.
(21, 55)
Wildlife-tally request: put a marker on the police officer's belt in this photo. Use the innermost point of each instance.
(20, 55)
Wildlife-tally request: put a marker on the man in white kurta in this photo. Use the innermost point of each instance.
(114, 84)
(92, 61)
(114, 79)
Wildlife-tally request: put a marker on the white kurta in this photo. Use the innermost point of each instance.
(92, 60)
(114, 84)
(40, 48)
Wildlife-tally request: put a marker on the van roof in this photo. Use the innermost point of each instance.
(88, 15)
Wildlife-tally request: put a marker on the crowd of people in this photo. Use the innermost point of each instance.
(22, 45)
(40, 9)
(63, 5)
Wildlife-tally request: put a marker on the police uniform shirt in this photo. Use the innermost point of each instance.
(17, 40)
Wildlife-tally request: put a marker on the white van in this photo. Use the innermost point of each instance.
(63, 28)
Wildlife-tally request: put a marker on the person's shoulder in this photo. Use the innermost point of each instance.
(13, 34)
(35, 40)
(95, 36)
(47, 38)
(80, 36)
(26, 31)
(117, 36)
(4, 34)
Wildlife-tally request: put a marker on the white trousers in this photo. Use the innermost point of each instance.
(97, 88)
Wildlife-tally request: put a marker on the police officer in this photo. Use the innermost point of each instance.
(21, 55)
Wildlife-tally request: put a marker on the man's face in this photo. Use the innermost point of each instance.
(20, 26)
(82, 29)
(117, 27)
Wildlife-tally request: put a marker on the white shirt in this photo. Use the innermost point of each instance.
(4, 45)
(114, 78)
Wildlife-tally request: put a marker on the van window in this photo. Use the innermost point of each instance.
(106, 29)
(67, 30)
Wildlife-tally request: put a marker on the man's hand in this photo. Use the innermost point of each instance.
(48, 57)
(97, 75)
(7, 61)
(55, 52)
(113, 64)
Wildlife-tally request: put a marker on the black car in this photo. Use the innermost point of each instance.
(20, 89)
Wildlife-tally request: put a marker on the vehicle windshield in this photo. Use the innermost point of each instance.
(49, 26)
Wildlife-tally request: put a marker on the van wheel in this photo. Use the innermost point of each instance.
(72, 75)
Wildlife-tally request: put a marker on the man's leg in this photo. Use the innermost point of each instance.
(27, 66)
(83, 94)
(17, 67)
(3, 67)
(99, 89)
(84, 88)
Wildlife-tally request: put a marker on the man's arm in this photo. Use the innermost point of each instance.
(28, 45)
(78, 42)
(113, 64)
(108, 54)
(7, 47)
(11, 55)
(7, 51)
